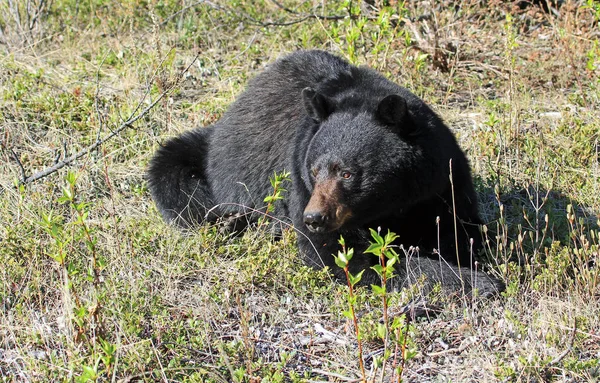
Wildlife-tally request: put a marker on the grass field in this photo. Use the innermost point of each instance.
(96, 287)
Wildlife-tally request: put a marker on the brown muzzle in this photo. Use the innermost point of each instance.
(326, 211)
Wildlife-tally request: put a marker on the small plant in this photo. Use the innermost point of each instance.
(383, 249)
(276, 183)
(401, 328)
(108, 357)
(342, 260)
(84, 317)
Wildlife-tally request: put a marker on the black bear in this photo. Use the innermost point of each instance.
(363, 153)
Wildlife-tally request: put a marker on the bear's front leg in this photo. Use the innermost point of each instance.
(451, 278)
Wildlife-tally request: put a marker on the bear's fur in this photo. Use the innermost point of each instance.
(363, 153)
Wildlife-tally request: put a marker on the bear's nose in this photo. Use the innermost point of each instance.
(315, 221)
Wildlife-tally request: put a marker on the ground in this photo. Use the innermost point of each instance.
(96, 287)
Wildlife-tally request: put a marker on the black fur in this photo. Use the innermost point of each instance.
(368, 152)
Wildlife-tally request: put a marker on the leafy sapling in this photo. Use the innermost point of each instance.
(382, 248)
(342, 260)
(276, 183)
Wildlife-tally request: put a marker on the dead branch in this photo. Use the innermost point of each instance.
(16, 157)
(243, 15)
(26, 17)
(32, 19)
(307, 16)
(100, 141)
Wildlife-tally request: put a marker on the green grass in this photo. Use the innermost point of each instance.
(95, 287)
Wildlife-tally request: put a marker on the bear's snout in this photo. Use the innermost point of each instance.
(325, 211)
(315, 221)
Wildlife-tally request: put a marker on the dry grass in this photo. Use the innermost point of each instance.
(137, 300)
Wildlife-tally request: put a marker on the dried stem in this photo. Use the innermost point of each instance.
(99, 142)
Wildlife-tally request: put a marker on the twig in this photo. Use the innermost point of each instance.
(99, 142)
(307, 16)
(90, 148)
(19, 163)
(38, 12)
(244, 15)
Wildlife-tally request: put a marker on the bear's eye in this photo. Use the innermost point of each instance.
(346, 175)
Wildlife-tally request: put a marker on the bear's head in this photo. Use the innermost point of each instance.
(368, 161)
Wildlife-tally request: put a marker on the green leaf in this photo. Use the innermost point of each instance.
(390, 237)
(67, 195)
(381, 331)
(374, 248)
(354, 279)
(352, 300)
(391, 253)
(59, 257)
(349, 254)
(55, 230)
(378, 239)
(89, 374)
(343, 257)
(378, 269)
(71, 178)
(63, 199)
(397, 322)
(378, 290)
(391, 262)
(378, 361)
(340, 263)
(80, 312)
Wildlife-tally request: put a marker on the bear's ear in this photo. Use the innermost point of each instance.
(392, 110)
(317, 106)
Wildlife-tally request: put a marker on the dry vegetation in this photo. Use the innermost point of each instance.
(95, 287)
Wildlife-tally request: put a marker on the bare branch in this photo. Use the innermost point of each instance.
(132, 119)
(243, 15)
(16, 157)
(303, 17)
(307, 16)
(38, 12)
